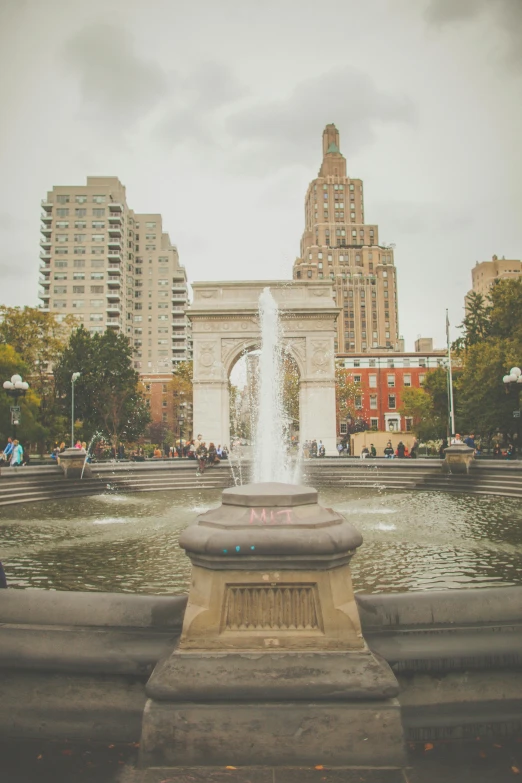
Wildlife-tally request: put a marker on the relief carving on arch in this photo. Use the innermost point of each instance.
(321, 356)
(206, 352)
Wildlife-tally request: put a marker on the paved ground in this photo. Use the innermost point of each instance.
(474, 762)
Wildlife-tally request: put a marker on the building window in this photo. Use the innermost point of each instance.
(80, 199)
(391, 402)
(78, 289)
(62, 199)
(96, 317)
(407, 379)
(60, 289)
(78, 303)
(99, 199)
(409, 423)
(96, 289)
(62, 212)
(80, 212)
(96, 302)
(373, 401)
(374, 424)
(422, 379)
(391, 381)
(358, 401)
(372, 381)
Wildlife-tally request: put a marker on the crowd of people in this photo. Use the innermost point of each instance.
(401, 452)
(311, 448)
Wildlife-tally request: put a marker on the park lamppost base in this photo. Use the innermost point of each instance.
(271, 668)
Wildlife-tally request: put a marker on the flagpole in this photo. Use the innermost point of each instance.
(451, 410)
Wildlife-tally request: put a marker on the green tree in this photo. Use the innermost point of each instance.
(488, 351)
(346, 391)
(418, 404)
(39, 338)
(476, 324)
(29, 430)
(484, 407)
(107, 396)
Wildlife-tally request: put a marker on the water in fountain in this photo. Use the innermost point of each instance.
(272, 460)
(92, 440)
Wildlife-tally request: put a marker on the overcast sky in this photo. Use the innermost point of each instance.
(211, 112)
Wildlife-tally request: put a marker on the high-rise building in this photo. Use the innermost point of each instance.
(483, 275)
(338, 245)
(114, 269)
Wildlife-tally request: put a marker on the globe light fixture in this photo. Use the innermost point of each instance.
(15, 388)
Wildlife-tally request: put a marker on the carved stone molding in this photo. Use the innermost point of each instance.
(281, 607)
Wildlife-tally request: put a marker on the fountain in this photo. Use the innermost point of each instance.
(272, 460)
(271, 644)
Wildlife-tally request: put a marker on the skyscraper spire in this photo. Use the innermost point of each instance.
(338, 245)
(334, 164)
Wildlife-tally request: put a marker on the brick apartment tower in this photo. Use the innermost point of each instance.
(115, 269)
(338, 245)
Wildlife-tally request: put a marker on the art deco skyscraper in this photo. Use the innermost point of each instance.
(338, 245)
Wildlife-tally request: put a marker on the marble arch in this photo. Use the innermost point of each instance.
(224, 324)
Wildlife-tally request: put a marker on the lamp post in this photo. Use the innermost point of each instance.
(15, 388)
(180, 422)
(74, 378)
(513, 381)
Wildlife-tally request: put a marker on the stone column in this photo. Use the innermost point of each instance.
(271, 667)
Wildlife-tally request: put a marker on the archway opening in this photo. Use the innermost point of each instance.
(243, 387)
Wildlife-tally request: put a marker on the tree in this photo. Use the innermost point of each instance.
(346, 391)
(490, 346)
(39, 339)
(181, 390)
(29, 429)
(107, 396)
(418, 404)
(157, 432)
(476, 324)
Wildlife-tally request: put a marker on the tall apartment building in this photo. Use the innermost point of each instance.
(114, 269)
(338, 245)
(483, 275)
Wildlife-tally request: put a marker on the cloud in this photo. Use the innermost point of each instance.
(285, 131)
(195, 114)
(507, 15)
(115, 82)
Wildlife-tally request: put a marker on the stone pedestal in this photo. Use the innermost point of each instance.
(72, 462)
(271, 667)
(458, 458)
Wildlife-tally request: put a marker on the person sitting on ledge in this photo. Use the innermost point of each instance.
(212, 458)
(388, 451)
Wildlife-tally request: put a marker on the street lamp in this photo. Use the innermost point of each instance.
(15, 388)
(74, 378)
(514, 381)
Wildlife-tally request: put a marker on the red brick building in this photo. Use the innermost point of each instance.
(383, 376)
(165, 407)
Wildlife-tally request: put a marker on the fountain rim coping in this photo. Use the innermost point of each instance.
(270, 494)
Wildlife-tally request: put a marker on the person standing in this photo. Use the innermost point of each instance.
(17, 454)
(373, 450)
(413, 451)
(401, 449)
(201, 454)
(8, 450)
(457, 440)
